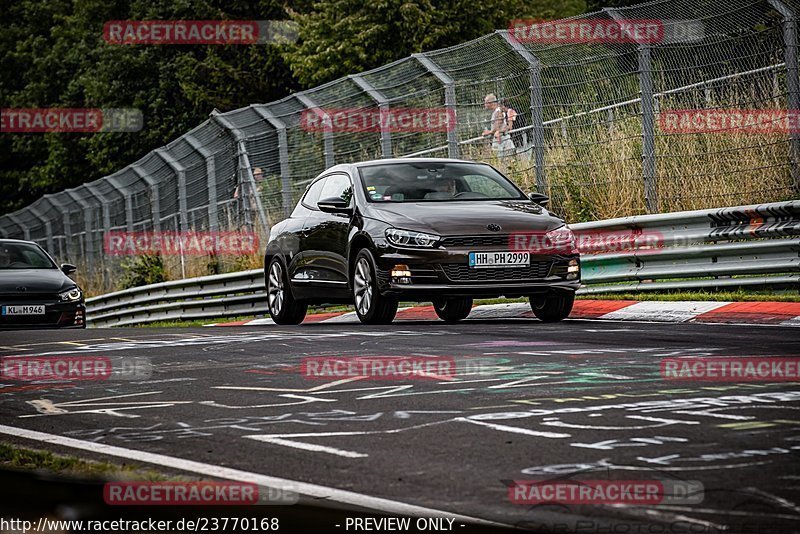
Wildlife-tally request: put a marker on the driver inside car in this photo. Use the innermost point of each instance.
(445, 188)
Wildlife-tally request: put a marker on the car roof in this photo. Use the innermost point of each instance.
(5, 240)
(391, 161)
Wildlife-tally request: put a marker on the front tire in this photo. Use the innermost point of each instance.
(371, 306)
(553, 307)
(283, 308)
(452, 310)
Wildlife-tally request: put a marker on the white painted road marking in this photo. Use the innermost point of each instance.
(303, 488)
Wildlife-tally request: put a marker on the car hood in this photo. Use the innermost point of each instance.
(34, 280)
(466, 218)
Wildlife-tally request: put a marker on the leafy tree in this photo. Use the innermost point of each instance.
(341, 37)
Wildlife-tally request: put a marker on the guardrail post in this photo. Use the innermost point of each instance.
(283, 156)
(152, 184)
(648, 119)
(790, 42)
(180, 172)
(537, 106)
(245, 172)
(211, 180)
(383, 105)
(449, 99)
(327, 133)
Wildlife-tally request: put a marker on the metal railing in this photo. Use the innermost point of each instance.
(738, 247)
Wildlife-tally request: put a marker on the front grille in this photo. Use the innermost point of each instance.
(493, 240)
(459, 272)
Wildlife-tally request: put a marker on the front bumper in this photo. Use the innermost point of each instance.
(57, 314)
(446, 273)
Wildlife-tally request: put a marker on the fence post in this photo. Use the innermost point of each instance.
(245, 171)
(383, 105)
(449, 99)
(537, 106)
(88, 245)
(65, 222)
(790, 42)
(113, 180)
(48, 228)
(104, 203)
(25, 230)
(648, 117)
(155, 207)
(283, 156)
(211, 180)
(327, 132)
(180, 172)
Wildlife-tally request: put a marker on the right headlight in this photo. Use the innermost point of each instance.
(72, 295)
(407, 238)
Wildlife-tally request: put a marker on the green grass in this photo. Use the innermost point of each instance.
(15, 457)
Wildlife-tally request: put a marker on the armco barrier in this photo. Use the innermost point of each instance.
(739, 247)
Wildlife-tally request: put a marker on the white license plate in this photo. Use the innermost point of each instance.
(499, 259)
(23, 310)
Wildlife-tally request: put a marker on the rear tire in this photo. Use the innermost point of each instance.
(283, 308)
(553, 307)
(452, 310)
(371, 306)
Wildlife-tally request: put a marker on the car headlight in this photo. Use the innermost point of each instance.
(561, 241)
(72, 295)
(406, 238)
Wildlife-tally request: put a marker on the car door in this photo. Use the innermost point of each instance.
(295, 245)
(325, 236)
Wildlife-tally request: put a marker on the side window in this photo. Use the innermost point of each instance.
(338, 186)
(312, 196)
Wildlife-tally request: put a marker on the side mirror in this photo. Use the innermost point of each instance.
(67, 268)
(334, 205)
(540, 198)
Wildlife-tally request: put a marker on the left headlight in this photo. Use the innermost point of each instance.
(407, 238)
(71, 296)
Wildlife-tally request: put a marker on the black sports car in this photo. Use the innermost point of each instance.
(444, 230)
(34, 291)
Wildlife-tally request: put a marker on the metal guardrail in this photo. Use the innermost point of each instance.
(752, 247)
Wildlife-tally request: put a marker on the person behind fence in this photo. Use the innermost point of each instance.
(498, 126)
(513, 120)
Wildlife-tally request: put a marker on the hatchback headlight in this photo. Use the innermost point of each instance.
(72, 295)
(407, 238)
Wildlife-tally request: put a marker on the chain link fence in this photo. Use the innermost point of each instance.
(591, 130)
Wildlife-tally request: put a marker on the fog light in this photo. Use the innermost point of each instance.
(401, 274)
(573, 268)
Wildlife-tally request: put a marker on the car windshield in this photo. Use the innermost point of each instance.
(23, 256)
(435, 182)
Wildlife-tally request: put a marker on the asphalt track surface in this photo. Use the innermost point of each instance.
(579, 400)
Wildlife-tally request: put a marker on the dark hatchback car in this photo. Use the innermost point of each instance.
(34, 291)
(440, 230)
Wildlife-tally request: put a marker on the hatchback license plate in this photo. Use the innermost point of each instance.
(23, 310)
(499, 259)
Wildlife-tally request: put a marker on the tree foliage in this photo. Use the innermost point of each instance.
(52, 54)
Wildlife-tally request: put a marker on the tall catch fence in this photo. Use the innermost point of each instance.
(594, 130)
